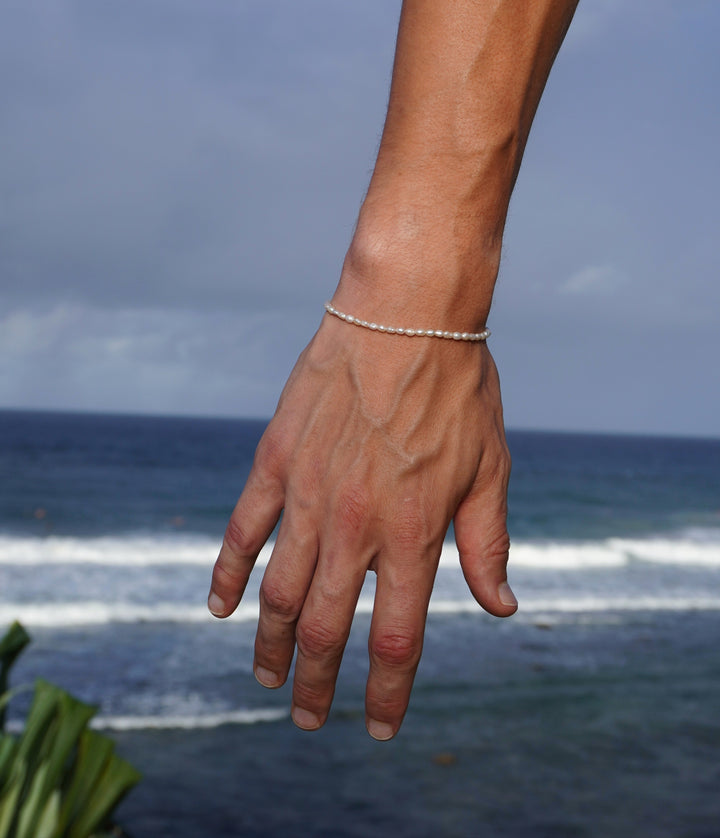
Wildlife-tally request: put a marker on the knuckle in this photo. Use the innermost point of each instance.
(276, 600)
(314, 697)
(271, 452)
(497, 468)
(238, 539)
(399, 649)
(317, 641)
(386, 707)
(353, 509)
(411, 525)
(490, 549)
(225, 583)
(498, 545)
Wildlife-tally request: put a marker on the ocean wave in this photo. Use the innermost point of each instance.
(179, 722)
(616, 552)
(564, 556)
(670, 551)
(113, 551)
(80, 614)
(194, 722)
(93, 613)
(687, 548)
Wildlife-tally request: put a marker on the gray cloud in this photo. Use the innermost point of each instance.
(168, 153)
(178, 183)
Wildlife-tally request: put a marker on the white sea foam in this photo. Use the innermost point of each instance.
(113, 551)
(194, 722)
(79, 614)
(682, 551)
(67, 614)
(670, 551)
(189, 722)
(564, 556)
(587, 604)
(690, 547)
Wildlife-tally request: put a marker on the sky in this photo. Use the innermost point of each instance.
(179, 182)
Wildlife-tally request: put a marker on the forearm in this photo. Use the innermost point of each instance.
(467, 81)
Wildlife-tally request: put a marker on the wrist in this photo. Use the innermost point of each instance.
(410, 261)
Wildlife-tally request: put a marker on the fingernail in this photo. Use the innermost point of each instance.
(215, 605)
(305, 719)
(266, 677)
(380, 730)
(505, 594)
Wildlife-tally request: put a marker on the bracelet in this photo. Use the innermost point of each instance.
(421, 333)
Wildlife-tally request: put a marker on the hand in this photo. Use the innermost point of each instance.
(378, 442)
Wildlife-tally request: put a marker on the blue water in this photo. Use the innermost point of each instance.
(595, 711)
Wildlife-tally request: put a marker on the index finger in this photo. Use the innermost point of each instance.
(251, 523)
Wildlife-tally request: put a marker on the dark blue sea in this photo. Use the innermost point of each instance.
(595, 711)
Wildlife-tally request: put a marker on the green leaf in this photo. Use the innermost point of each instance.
(8, 748)
(7, 697)
(47, 826)
(59, 779)
(73, 718)
(11, 645)
(115, 782)
(53, 727)
(33, 804)
(10, 799)
(94, 753)
(41, 718)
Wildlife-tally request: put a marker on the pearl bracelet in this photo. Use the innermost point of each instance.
(421, 333)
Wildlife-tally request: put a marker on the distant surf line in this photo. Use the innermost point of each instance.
(195, 550)
(208, 721)
(79, 614)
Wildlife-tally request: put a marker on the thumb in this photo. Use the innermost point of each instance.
(483, 542)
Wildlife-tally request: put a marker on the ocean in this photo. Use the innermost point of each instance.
(594, 711)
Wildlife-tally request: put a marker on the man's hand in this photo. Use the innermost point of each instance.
(378, 442)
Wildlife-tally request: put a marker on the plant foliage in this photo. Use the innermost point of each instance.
(58, 779)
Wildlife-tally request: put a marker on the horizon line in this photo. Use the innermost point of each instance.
(221, 417)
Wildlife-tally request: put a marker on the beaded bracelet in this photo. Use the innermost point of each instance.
(421, 333)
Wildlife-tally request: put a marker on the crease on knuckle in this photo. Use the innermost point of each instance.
(224, 579)
(411, 526)
(238, 540)
(386, 707)
(311, 697)
(397, 649)
(493, 551)
(352, 509)
(275, 600)
(271, 453)
(496, 550)
(229, 586)
(317, 641)
(495, 469)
